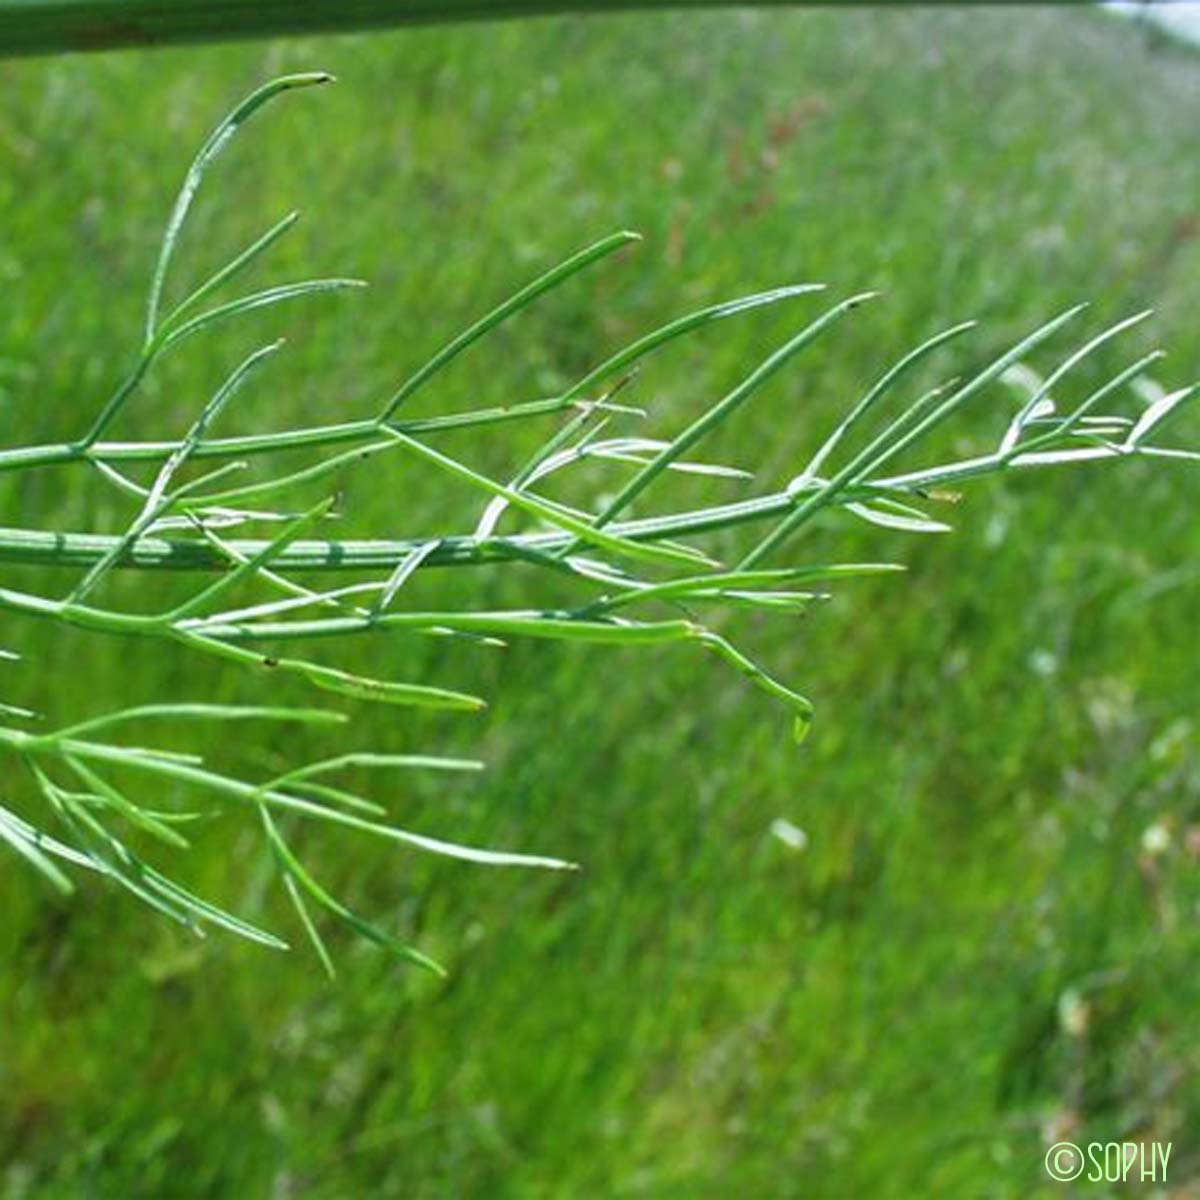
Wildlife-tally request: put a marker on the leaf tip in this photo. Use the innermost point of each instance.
(862, 298)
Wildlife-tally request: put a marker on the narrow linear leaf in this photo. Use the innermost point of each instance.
(228, 272)
(725, 407)
(213, 145)
(1157, 413)
(293, 868)
(360, 687)
(26, 844)
(204, 712)
(529, 293)
(549, 512)
(263, 299)
(801, 706)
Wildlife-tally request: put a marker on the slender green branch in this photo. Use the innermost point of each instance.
(619, 579)
(82, 550)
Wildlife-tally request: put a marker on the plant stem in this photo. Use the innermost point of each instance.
(53, 26)
(36, 547)
(63, 453)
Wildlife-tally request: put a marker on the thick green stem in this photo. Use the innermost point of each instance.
(39, 548)
(35, 547)
(53, 26)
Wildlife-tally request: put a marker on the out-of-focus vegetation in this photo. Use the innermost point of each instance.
(987, 934)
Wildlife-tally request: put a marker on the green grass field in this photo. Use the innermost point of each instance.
(979, 950)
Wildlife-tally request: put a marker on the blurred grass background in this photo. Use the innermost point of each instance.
(990, 939)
